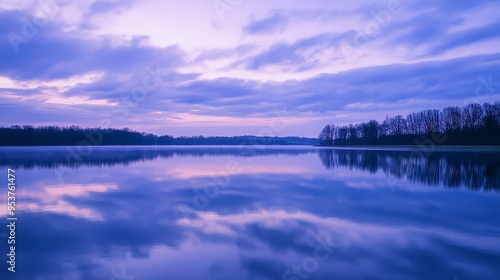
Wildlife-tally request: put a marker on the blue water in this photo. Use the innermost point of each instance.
(252, 213)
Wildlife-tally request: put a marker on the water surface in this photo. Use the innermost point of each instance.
(253, 213)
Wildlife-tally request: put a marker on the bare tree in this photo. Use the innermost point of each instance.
(451, 119)
(373, 131)
(431, 121)
(396, 125)
(327, 135)
(342, 133)
(412, 124)
(353, 133)
(472, 116)
(492, 111)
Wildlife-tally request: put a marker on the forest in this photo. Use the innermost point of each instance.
(28, 135)
(473, 124)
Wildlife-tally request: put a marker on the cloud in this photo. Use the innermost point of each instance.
(452, 79)
(52, 53)
(425, 30)
(458, 39)
(269, 57)
(270, 24)
(395, 86)
(295, 53)
(102, 6)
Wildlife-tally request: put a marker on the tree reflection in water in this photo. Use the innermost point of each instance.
(474, 170)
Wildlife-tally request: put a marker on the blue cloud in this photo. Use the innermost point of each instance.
(462, 38)
(430, 29)
(452, 79)
(101, 6)
(52, 53)
(270, 24)
(290, 53)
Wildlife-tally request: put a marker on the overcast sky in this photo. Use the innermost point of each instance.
(234, 67)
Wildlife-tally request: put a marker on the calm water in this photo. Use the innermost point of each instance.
(252, 213)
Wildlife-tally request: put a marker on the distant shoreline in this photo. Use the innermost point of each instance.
(74, 136)
(436, 147)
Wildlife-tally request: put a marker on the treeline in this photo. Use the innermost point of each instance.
(74, 135)
(473, 124)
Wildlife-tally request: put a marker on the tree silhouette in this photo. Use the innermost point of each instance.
(327, 135)
(74, 135)
(473, 124)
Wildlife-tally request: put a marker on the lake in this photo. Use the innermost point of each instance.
(247, 212)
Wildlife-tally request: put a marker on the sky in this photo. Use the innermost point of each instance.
(240, 67)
